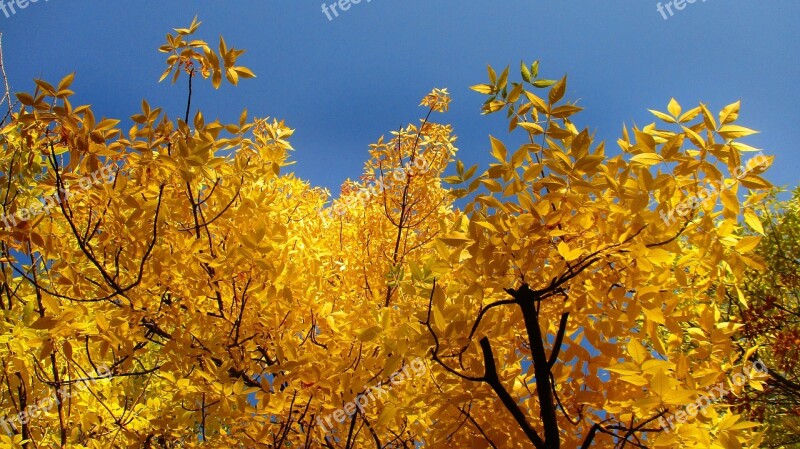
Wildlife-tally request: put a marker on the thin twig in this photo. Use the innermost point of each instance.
(7, 95)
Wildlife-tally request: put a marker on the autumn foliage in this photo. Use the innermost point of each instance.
(770, 318)
(204, 297)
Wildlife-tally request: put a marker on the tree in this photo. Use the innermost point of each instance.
(171, 286)
(576, 268)
(770, 314)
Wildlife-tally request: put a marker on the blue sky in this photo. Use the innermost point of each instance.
(344, 82)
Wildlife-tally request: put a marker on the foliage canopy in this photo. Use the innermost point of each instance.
(234, 306)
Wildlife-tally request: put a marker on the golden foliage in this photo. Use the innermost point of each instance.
(233, 308)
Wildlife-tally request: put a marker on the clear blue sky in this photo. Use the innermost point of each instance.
(345, 82)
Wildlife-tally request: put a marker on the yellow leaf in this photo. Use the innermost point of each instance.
(735, 131)
(387, 414)
(679, 397)
(747, 244)
(637, 352)
(44, 323)
(487, 225)
(498, 149)
(753, 221)
(655, 315)
(492, 185)
(66, 81)
(740, 295)
(244, 72)
(730, 201)
(106, 124)
(8, 128)
(635, 380)
(558, 90)
(438, 318)
(232, 76)
(653, 366)
(660, 384)
(665, 117)
(102, 323)
(565, 252)
(744, 147)
(369, 333)
(455, 239)
(531, 127)
(755, 182)
(674, 107)
(574, 254)
(647, 159)
(482, 88)
(690, 115)
(730, 113)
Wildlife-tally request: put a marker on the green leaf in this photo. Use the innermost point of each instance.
(526, 74)
(543, 83)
